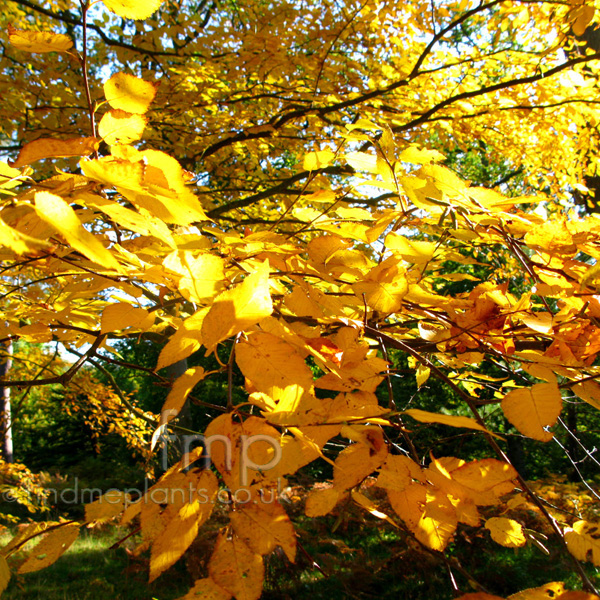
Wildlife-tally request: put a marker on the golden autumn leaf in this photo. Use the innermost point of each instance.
(53, 148)
(424, 416)
(238, 308)
(51, 548)
(141, 222)
(55, 211)
(181, 389)
(507, 532)
(203, 277)
(106, 507)
(533, 409)
(577, 595)
(439, 520)
(427, 512)
(168, 547)
(4, 574)
(320, 502)
(236, 568)
(370, 507)
(123, 315)
(39, 41)
(549, 591)
(9, 178)
(186, 340)
(583, 541)
(17, 241)
(317, 160)
(269, 362)
(398, 472)
(483, 481)
(127, 92)
(584, 18)
(133, 9)
(120, 127)
(264, 526)
(358, 461)
(588, 391)
(206, 589)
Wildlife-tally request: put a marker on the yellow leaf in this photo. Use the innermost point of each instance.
(235, 568)
(550, 591)
(361, 161)
(414, 251)
(55, 211)
(358, 461)
(142, 222)
(423, 374)
(417, 156)
(52, 148)
(398, 472)
(120, 127)
(369, 506)
(363, 375)
(186, 340)
(539, 321)
(438, 521)
(583, 20)
(151, 180)
(123, 315)
(129, 93)
(268, 362)
(507, 532)
(133, 9)
(206, 589)
(204, 277)
(583, 541)
(588, 391)
(453, 421)
(39, 41)
(9, 177)
(182, 529)
(532, 409)
(106, 507)
(181, 390)
(50, 548)
(321, 502)
(317, 160)
(4, 574)
(17, 241)
(239, 308)
(488, 479)
(264, 526)
(427, 512)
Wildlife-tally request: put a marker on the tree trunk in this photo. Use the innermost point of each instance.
(5, 410)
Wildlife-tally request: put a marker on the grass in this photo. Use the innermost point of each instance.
(90, 571)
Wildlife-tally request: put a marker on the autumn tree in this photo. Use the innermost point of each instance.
(258, 183)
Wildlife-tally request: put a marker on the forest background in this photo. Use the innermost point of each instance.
(365, 231)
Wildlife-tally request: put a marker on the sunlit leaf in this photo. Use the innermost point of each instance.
(507, 532)
(39, 41)
(236, 568)
(53, 148)
(55, 211)
(133, 9)
(533, 409)
(127, 92)
(51, 548)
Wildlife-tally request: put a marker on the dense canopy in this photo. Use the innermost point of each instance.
(304, 189)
